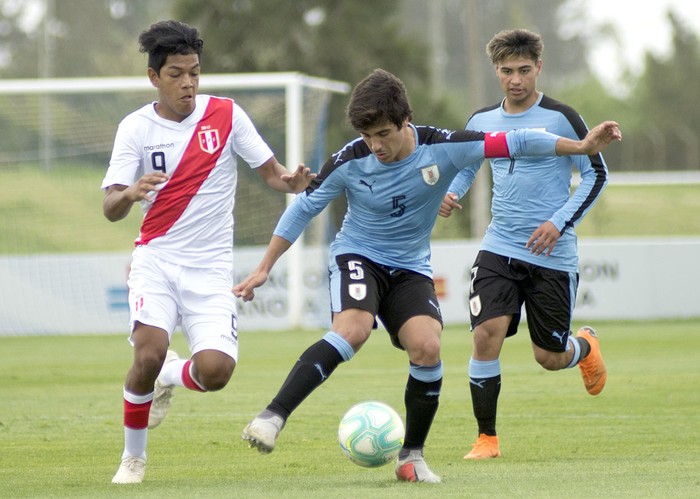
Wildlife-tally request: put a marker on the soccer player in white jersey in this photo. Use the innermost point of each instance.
(177, 158)
(529, 253)
(395, 177)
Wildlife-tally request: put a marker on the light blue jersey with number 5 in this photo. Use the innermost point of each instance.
(392, 207)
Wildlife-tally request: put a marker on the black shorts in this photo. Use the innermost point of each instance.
(393, 295)
(500, 285)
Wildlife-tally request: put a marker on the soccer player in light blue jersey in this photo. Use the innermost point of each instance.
(395, 176)
(529, 253)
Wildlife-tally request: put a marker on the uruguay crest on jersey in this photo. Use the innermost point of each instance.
(431, 174)
(357, 291)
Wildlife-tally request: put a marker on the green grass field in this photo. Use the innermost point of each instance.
(59, 211)
(61, 433)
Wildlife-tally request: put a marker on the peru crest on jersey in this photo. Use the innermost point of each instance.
(209, 140)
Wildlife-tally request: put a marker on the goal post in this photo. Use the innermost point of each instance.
(58, 134)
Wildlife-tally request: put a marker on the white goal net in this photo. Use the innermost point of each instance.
(58, 253)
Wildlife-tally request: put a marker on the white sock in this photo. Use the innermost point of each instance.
(135, 442)
(171, 374)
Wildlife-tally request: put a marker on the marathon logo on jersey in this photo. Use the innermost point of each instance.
(357, 291)
(209, 140)
(431, 174)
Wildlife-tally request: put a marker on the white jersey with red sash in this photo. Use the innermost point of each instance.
(190, 220)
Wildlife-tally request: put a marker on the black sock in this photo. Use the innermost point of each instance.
(585, 347)
(485, 401)
(314, 366)
(422, 400)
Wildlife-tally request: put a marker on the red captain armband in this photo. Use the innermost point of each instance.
(495, 145)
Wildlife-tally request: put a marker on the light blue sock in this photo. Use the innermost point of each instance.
(339, 343)
(577, 352)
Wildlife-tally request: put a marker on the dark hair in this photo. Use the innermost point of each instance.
(509, 44)
(169, 37)
(381, 97)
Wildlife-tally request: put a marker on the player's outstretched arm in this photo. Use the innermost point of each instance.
(595, 141)
(299, 179)
(246, 289)
(279, 178)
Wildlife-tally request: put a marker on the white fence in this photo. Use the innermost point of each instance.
(620, 279)
(630, 279)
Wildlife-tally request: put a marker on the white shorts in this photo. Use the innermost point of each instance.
(200, 300)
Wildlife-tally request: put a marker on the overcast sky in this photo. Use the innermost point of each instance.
(643, 27)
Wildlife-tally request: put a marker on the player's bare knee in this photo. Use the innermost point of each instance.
(356, 336)
(149, 361)
(215, 384)
(427, 353)
(431, 348)
(214, 378)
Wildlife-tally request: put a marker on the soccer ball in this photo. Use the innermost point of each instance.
(371, 434)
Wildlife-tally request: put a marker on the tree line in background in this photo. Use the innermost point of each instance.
(436, 48)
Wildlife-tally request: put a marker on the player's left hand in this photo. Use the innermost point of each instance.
(448, 204)
(543, 239)
(299, 179)
(600, 136)
(246, 289)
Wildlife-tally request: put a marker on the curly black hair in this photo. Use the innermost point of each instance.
(169, 37)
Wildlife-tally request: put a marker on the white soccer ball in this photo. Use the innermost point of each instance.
(371, 434)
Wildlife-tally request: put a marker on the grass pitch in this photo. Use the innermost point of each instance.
(61, 433)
